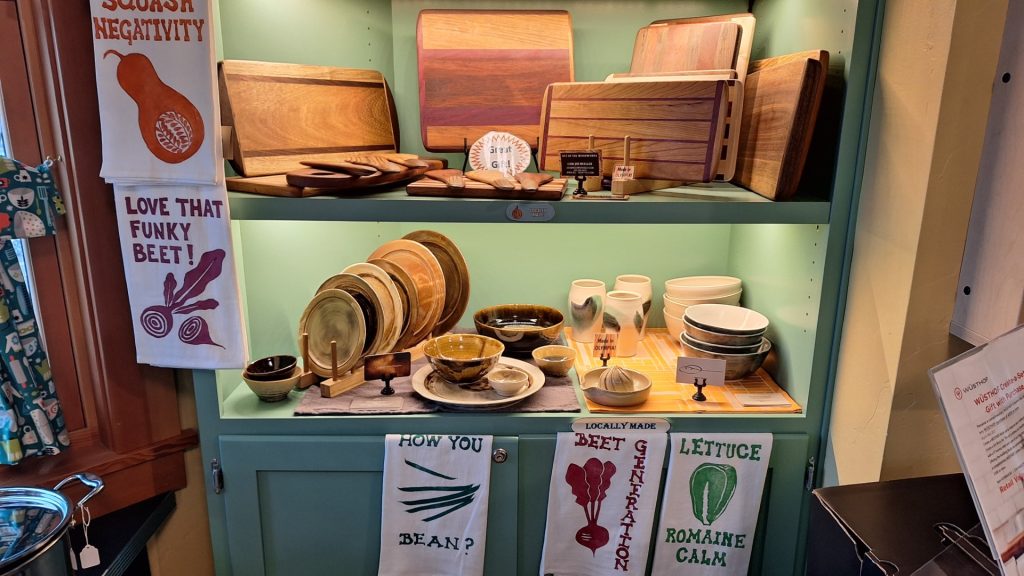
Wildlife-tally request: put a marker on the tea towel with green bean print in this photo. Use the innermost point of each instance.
(711, 503)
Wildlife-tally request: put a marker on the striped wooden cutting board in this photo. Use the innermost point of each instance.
(281, 114)
(675, 127)
(483, 70)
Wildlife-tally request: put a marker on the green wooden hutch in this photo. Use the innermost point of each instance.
(301, 495)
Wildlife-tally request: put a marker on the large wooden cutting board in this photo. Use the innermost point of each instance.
(483, 70)
(683, 47)
(281, 114)
(675, 127)
(781, 101)
(663, 32)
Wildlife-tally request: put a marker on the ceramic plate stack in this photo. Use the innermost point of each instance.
(681, 293)
(729, 333)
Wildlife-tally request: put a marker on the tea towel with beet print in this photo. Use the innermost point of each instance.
(434, 505)
(602, 499)
(711, 503)
(155, 78)
(179, 266)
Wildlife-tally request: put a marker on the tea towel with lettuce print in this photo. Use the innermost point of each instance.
(31, 421)
(434, 505)
(711, 503)
(180, 269)
(602, 499)
(155, 78)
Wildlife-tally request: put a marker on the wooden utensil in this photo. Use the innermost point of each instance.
(492, 177)
(314, 178)
(531, 181)
(483, 70)
(451, 178)
(380, 163)
(407, 160)
(675, 126)
(782, 97)
(341, 166)
(553, 190)
(261, 102)
(685, 46)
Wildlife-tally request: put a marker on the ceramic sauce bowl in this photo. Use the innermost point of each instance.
(554, 360)
(508, 381)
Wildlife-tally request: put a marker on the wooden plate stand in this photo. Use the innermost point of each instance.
(336, 384)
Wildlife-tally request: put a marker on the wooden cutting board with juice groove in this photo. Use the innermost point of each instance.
(675, 127)
(664, 32)
(281, 114)
(781, 100)
(483, 70)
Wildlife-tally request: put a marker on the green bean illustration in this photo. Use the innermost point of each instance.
(711, 490)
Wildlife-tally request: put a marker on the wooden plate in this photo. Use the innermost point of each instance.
(425, 270)
(391, 304)
(409, 297)
(477, 395)
(456, 276)
(369, 303)
(333, 315)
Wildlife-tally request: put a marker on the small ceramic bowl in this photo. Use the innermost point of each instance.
(726, 319)
(737, 366)
(718, 348)
(554, 360)
(520, 327)
(692, 287)
(717, 338)
(676, 306)
(270, 368)
(595, 393)
(273, 390)
(461, 358)
(507, 381)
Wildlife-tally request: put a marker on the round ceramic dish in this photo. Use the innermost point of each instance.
(390, 302)
(507, 381)
(718, 338)
(726, 319)
(270, 368)
(595, 393)
(691, 287)
(274, 390)
(554, 360)
(456, 276)
(676, 306)
(462, 358)
(737, 366)
(369, 302)
(423, 267)
(333, 315)
(673, 323)
(409, 297)
(521, 327)
(718, 348)
(478, 396)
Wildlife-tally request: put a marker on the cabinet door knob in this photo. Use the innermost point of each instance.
(499, 455)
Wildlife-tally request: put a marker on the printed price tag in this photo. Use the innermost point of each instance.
(382, 366)
(623, 172)
(605, 344)
(577, 164)
(703, 371)
(531, 212)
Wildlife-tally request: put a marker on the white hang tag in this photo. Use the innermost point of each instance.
(74, 558)
(89, 557)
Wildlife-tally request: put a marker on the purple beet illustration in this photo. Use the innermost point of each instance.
(158, 320)
(590, 486)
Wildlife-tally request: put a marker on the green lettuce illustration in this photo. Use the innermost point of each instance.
(711, 489)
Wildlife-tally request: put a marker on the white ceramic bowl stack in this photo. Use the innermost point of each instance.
(726, 332)
(681, 293)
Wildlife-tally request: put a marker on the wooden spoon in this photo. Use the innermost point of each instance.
(341, 166)
(453, 179)
(381, 163)
(407, 160)
(532, 181)
(492, 177)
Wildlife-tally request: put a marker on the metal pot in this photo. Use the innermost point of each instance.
(34, 525)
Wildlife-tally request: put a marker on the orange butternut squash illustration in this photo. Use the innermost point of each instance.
(169, 123)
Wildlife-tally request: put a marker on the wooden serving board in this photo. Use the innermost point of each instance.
(782, 97)
(663, 32)
(281, 114)
(553, 190)
(685, 46)
(675, 127)
(483, 70)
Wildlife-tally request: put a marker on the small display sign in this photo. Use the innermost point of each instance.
(580, 164)
(530, 212)
(387, 366)
(623, 172)
(700, 371)
(605, 344)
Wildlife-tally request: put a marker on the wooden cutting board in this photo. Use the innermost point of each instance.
(675, 127)
(683, 47)
(663, 32)
(553, 190)
(781, 101)
(281, 114)
(483, 70)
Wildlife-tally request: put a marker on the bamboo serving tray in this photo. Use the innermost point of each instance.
(553, 190)
(656, 357)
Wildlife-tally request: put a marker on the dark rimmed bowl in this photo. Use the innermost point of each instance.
(737, 366)
(270, 368)
(520, 327)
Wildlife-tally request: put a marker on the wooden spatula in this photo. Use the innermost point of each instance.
(407, 160)
(492, 177)
(341, 166)
(531, 181)
(381, 163)
(453, 179)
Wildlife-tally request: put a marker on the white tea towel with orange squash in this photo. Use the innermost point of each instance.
(434, 510)
(712, 499)
(602, 498)
(155, 78)
(180, 270)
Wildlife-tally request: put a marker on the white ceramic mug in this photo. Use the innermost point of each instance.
(586, 307)
(642, 286)
(623, 313)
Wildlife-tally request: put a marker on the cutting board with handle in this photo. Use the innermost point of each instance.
(675, 127)
(280, 114)
(674, 32)
(782, 97)
(484, 70)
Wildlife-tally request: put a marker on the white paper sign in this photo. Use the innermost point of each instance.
(982, 395)
(712, 499)
(702, 371)
(434, 511)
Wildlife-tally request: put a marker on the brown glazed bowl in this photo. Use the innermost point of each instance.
(461, 358)
(520, 327)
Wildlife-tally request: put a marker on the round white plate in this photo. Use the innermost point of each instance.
(478, 395)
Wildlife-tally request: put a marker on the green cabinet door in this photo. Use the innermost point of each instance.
(299, 505)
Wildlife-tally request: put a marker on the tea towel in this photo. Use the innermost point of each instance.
(180, 269)
(712, 499)
(602, 499)
(434, 511)
(155, 78)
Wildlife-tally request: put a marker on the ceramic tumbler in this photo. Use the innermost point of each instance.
(624, 314)
(642, 286)
(586, 306)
